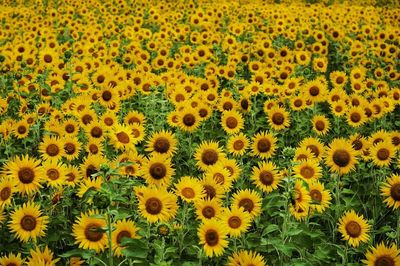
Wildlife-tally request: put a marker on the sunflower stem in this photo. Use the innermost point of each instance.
(109, 232)
(398, 227)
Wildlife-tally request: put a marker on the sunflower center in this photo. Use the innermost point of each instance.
(108, 121)
(211, 237)
(106, 96)
(264, 145)
(189, 120)
(69, 128)
(52, 150)
(266, 177)
(278, 118)
(5, 193)
(92, 232)
(123, 137)
(244, 104)
(341, 158)
(339, 80)
(158, 170)
(383, 154)
(298, 103)
(28, 223)
(161, 145)
(357, 144)
(210, 191)
(69, 148)
(247, 204)
(219, 178)
(91, 170)
(231, 122)
(307, 172)
(26, 175)
(316, 195)
(396, 141)
(227, 106)
(153, 206)
(121, 235)
(21, 129)
(53, 174)
(384, 261)
(353, 229)
(355, 117)
(319, 125)
(238, 145)
(188, 193)
(93, 149)
(395, 192)
(71, 177)
(234, 222)
(96, 132)
(11, 264)
(209, 157)
(208, 212)
(47, 58)
(203, 112)
(314, 91)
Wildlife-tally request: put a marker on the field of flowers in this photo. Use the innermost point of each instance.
(194, 132)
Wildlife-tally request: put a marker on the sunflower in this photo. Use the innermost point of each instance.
(188, 119)
(237, 144)
(189, 189)
(89, 183)
(72, 147)
(278, 118)
(55, 173)
(108, 95)
(356, 116)
(300, 213)
(91, 165)
(213, 237)
(51, 148)
(246, 258)
(134, 117)
(27, 173)
(308, 170)
(236, 220)
(21, 129)
(358, 143)
(137, 132)
(95, 129)
(109, 119)
(391, 191)
(27, 222)
(162, 142)
(301, 197)
(12, 260)
(233, 168)
(382, 153)
(249, 200)
(321, 124)
(320, 197)
(221, 175)
(156, 204)
(123, 229)
(39, 257)
(88, 231)
(208, 153)
(338, 108)
(70, 127)
(208, 208)
(264, 145)
(7, 189)
(353, 228)
(266, 177)
(73, 176)
(157, 170)
(212, 188)
(94, 146)
(232, 122)
(383, 255)
(315, 90)
(341, 156)
(303, 153)
(121, 137)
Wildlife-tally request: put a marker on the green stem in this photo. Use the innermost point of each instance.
(398, 227)
(109, 231)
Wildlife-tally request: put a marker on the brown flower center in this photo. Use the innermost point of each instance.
(153, 206)
(234, 222)
(53, 174)
(395, 192)
(107, 95)
(189, 120)
(247, 204)
(69, 148)
(108, 121)
(341, 158)
(210, 191)
(267, 178)
(188, 193)
(384, 260)
(316, 195)
(209, 157)
(96, 132)
(123, 234)
(227, 106)
(307, 172)
(47, 58)
(319, 125)
(5, 193)
(383, 154)
(264, 145)
(212, 237)
(52, 150)
(357, 144)
(353, 229)
(158, 170)
(93, 149)
(314, 149)
(21, 130)
(314, 91)
(123, 137)
(92, 232)
(278, 118)
(355, 117)
(28, 223)
(70, 128)
(26, 175)
(86, 119)
(161, 145)
(231, 122)
(208, 212)
(238, 145)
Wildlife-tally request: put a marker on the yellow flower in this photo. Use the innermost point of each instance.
(354, 228)
(123, 228)
(213, 237)
(391, 191)
(341, 156)
(382, 255)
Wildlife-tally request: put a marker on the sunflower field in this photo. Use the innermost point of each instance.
(198, 132)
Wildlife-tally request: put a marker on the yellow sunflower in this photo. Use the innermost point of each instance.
(208, 208)
(207, 154)
(232, 122)
(341, 156)
(320, 197)
(189, 189)
(391, 191)
(321, 124)
(12, 260)
(88, 231)
(278, 118)
(266, 177)
(162, 142)
(356, 116)
(7, 189)
(121, 137)
(302, 154)
(237, 144)
(246, 258)
(213, 237)
(264, 145)
(315, 145)
(188, 119)
(72, 147)
(308, 170)
(41, 257)
(156, 204)
(221, 175)
(55, 173)
(123, 229)
(157, 170)
(212, 188)
(21, 129)
(382, 153)
(249, 200)
(354, 228)
(27, 222)
(236, 220)
(383, 255)
(26, 172)
(51, 148)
